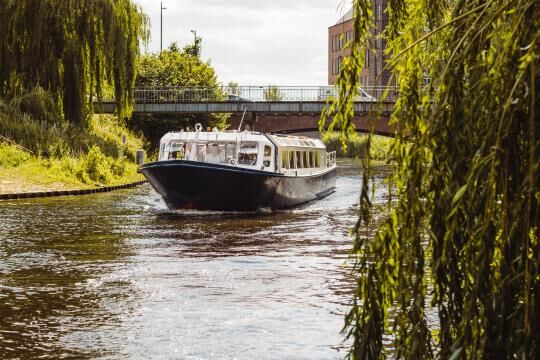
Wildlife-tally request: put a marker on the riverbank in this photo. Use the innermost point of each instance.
(357, 147)
(39, 176)
(101, 155)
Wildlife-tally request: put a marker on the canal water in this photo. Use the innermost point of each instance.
(118, 276)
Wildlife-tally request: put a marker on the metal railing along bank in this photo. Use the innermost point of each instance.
(256, 94)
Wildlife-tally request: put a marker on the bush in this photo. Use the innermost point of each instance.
(357, 146)
(38, 104)
(11, 156)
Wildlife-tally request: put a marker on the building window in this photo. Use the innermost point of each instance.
(366, 58)
(338, 66)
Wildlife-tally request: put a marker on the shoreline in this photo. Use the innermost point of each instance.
(78, 192)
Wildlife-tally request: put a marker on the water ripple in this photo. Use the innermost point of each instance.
(119, 276)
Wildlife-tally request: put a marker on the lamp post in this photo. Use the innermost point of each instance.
(161, 28)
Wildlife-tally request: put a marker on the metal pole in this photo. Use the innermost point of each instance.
(161, 27)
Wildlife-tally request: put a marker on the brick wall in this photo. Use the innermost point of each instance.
(291, 123)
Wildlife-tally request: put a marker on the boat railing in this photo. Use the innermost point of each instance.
(330, 159)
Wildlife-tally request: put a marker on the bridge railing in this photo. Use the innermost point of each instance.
(255, 94)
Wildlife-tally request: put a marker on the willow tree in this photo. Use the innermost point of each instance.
(71, 48)
(454, 269)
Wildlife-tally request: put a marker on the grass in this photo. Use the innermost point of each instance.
(38, 155)
(57, 174)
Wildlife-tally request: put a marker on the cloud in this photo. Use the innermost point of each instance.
(254, 42)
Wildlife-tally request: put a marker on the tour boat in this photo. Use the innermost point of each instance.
(240, 171)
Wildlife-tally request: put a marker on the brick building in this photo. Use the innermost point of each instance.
(342, 31)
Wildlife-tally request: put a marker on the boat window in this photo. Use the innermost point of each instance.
(305, 159)
(212, 153)
(317, 160)
(267, 156)
(162, 152)
(292, 158)
(201, 152)
(176, 150)
(248, 153)
(230, 152)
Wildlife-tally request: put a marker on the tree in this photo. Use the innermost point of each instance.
(462, 239)
(232, 88)
(272, 93)
(174, 68)
(72, 49)
(182, 75)
(195, 48)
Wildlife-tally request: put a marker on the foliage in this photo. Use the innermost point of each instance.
(37, 104)
(30, 121)
(272, 93)
(72, 49)
(462, 241)
(22, 172)
(195, 48)
(97, 167)
(357, 146)
(67, 156)
(233, 88)
(11, 156)
(175, 68)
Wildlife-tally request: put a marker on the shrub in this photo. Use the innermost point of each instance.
(356, 146)
(38, 104)
(96, 166)
(11, 156)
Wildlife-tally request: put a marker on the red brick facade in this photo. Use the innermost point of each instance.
(373, 73)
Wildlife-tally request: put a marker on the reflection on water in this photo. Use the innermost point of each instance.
(119, 276)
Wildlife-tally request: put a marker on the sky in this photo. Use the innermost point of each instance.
(252, 42)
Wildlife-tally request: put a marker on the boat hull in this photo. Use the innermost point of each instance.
(194, 185)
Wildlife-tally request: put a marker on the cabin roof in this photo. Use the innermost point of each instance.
(205, 136)
(297, 141)
(233, 136)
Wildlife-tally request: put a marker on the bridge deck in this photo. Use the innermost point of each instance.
(254, 99)
(274, 107)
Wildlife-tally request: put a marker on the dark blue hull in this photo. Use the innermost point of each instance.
(194, 185)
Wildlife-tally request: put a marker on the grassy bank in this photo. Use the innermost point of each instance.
(357, 146)
(39, 154)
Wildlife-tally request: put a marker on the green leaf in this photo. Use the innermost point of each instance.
(459, 194)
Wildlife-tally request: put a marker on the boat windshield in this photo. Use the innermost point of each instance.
(217, 152)
(211, 152)
(176, 150)
(247, 155)
(220, 152)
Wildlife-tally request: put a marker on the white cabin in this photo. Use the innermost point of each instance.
(288, 155)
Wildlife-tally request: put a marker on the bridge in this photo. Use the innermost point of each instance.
(269, 108)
